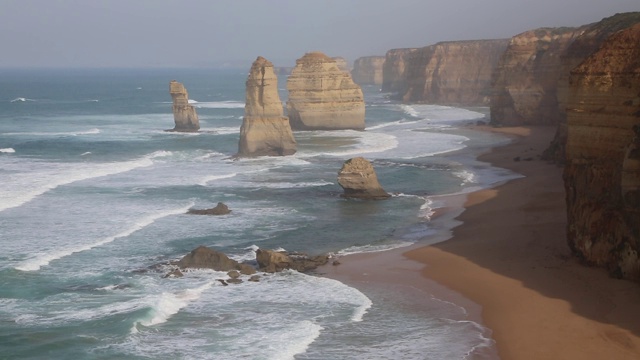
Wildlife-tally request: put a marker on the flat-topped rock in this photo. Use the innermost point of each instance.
(322, 96)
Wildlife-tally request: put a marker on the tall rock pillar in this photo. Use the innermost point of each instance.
(184, 115)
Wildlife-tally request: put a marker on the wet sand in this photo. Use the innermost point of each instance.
(510, 259)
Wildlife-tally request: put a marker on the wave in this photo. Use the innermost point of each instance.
(24, 187)
(290, 185)
(370, 248)
(218, 104)
(7, 150)
(426, 209)
(398, 122)
(222, 130)
(168, 304)
(467, 177)
(294, 341)
(21, 99)
(67, 133)
(366, 143)
(409, 110)
(208, 179)
(44, 259)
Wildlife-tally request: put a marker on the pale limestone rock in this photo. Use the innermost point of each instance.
(342, 63)
(358, 179)
(393, 70)
(367, 70)
(264, 131)
(184, 115)
(323, 97)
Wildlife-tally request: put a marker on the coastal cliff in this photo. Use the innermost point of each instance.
(265, 131)
(602, 174)
(184, 115)
(525, 83)
(453, 72)
(323, 97)
(342, 63)
(367, 70)
(393, 78)
(584, 45)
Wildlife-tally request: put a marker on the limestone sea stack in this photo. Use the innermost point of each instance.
(323, 97)
(265, 131)
(367, 70)
(342, 63)
(184, 115)
(602, 173)
(358, 179)
(393, 70)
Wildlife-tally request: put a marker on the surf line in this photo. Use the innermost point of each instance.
(36, 263)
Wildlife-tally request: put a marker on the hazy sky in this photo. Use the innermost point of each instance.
(165, 33)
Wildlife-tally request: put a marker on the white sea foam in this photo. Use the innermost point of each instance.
(409, 110)
(466, 176)
(296, 340)
(7, 150)
(66, 133)
(86, 153)
(366, 143)
(41, 260)
(23, 186)
(222, 130)
(168, 304)
(21, 99)
(220, 105)
(371, 248)
(211, 178)
(291, 185)
(402, 122)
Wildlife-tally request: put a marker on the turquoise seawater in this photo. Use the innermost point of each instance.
(92, 189)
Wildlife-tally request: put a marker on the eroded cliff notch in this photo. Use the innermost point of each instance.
(265, 131)
(184, 115)
(323, 97)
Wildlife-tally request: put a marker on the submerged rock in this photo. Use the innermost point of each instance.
(271, 261)
(220, 209)
(265, 131)
(184, 115)
(358, 179)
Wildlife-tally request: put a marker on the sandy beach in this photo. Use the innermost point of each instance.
(509, 265)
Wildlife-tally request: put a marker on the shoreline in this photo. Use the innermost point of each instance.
(509, 265)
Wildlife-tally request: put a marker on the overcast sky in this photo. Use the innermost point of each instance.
(187, 33)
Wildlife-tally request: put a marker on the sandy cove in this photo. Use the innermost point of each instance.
(510, 257)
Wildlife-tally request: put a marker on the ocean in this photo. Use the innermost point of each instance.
(93, 192)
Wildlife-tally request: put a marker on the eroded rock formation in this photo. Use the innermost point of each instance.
(264, 131)
(602, 174)
(367, 70)
(203, 257)
(342, 63)
(184, 115)
(273, 261)
(584, 45)
(220, 209)
(358, 179)
(453, 72)
(395, 64)
(526, 79)
(323, 97)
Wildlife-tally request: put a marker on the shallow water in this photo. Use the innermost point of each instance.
(93, 189)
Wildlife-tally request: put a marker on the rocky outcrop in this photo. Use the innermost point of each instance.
(393, 76)
(184, 115)
(452, 72)
(220, 209)
(273, 261)
(602, 173)
(358, 179)
(584, 45)
(367, 70)
(265, 131)
(526, 79)
(204, 258)
(323, 97)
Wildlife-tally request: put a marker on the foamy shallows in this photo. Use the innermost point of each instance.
(7, 150)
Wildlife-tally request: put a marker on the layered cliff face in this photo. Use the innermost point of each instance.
(584, 45)
(323, 97)
(184, 115)
(602, 174)
(525, 82)
(393, 77)
(367, 70)
(342, 63)
(455, 72)
(264, 131)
